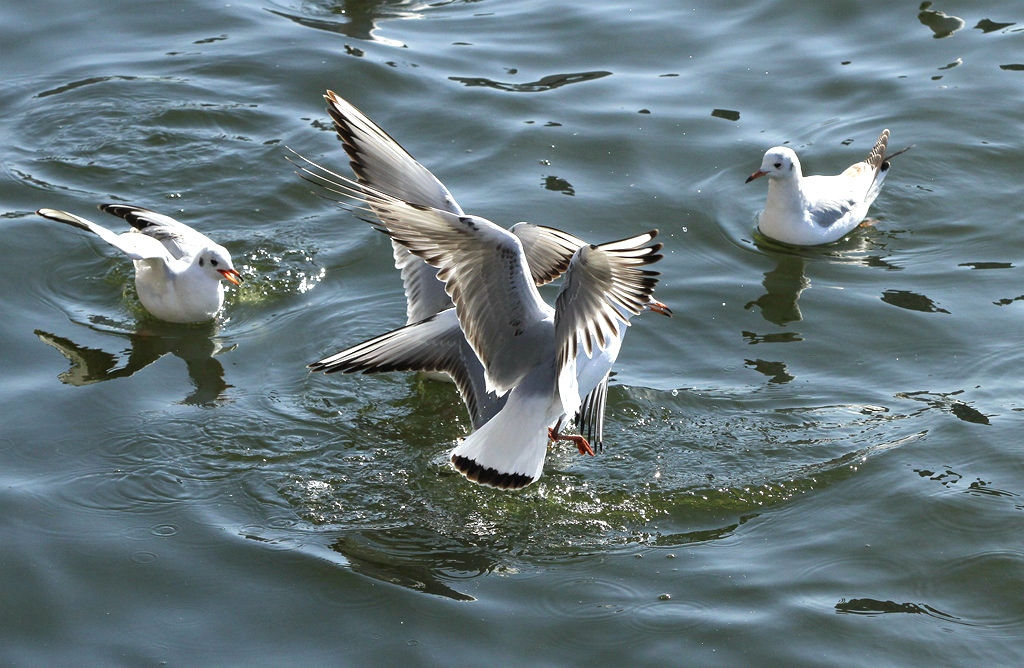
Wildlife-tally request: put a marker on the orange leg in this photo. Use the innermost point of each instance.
(581, 443)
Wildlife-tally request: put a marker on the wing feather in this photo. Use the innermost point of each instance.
(433, 344)
(179, 239)
(602, 283)
(135, 246)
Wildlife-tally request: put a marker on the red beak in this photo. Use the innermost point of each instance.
(756, 175)
(231, 275)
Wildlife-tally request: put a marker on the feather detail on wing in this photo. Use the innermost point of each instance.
(600, 281)
(548, 251)
(482, 265)
(484, 270)
(179, 239)
(433, 344)
(591, 416)
(825, 212)
(135, 246)
(424, 294)
(381, 163)
(877, 155)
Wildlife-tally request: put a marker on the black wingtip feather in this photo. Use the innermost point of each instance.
(485, 475)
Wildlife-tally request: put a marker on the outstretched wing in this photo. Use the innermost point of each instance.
(433, 344)
(604, 286)
(135, 246)
(179, 239)
(381, 163)
(548, 250)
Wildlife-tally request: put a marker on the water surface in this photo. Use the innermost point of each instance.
(822, 446)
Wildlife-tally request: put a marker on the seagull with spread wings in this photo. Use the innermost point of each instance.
(433, 340)
(528, 350)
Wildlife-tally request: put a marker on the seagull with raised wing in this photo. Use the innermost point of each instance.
(528, 350)
(813, 210)
(178, 270)
(433, 341)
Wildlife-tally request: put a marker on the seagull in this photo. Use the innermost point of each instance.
(529, 351)
(812, 210)
(432, 340)
(178, 270)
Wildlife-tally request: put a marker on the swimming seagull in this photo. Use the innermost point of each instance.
(432, 340)
(528, 350)
(812, 210)
(178, 270)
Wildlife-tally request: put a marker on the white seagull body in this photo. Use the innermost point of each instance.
(437, 344)
(178, 270)
(527, 349)
(813, 210)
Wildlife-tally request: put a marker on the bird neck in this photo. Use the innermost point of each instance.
(785, 196)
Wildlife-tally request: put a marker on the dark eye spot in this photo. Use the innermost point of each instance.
(202, 262)
(213, 262)
(778, 165)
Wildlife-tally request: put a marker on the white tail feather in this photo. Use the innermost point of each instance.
(507, 451)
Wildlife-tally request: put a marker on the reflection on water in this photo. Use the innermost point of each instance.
(194, 344)
(356, 18)
(944, 401)
(560, 185)
(543, 84)
(783, 286)
(941, 23)
(414, 557)
(777, 372)
(870, 606)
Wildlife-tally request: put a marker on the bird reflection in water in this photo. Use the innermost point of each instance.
(195, 344)
(783, 285)
(415, 558)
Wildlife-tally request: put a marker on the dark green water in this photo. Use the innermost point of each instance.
(816, 462)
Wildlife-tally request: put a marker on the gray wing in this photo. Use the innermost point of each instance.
(381, 163)
(433, 344)
(547, 250)
(179, 239)
(825, 213)
(484, 270)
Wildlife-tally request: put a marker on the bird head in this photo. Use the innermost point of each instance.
(779, 162)
(217, 261)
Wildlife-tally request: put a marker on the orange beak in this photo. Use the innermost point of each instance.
(756, 175)
(231, 275)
